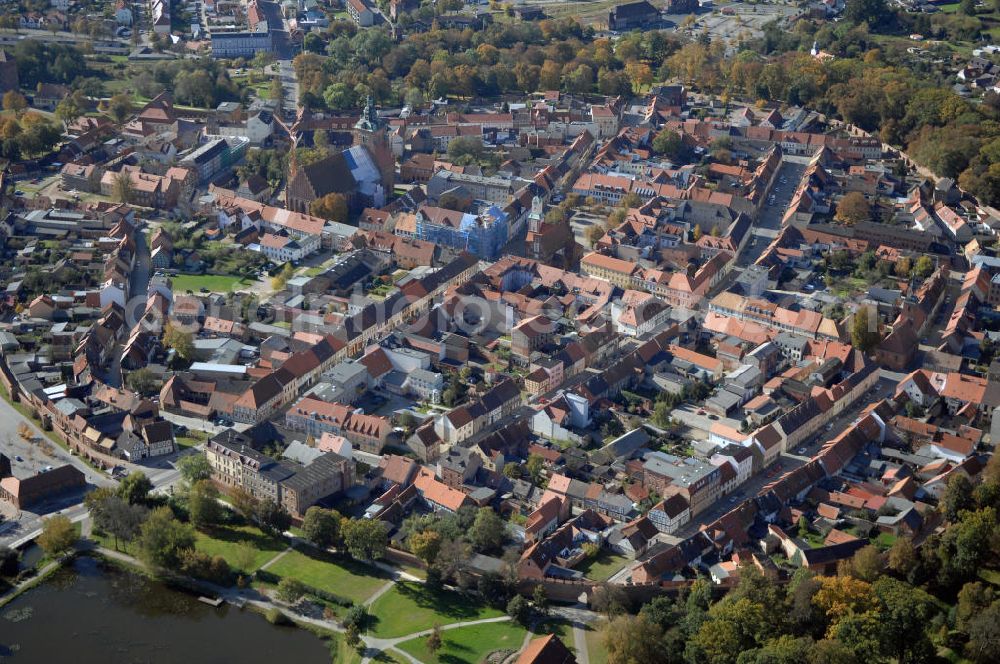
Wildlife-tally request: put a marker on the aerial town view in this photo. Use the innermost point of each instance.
(500, 331)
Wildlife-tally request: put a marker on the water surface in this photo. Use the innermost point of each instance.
(94, 612)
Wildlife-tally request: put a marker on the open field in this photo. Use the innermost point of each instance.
(341, 576)
(595, 649)
(411, 607)
(468, 644)
(224, 542)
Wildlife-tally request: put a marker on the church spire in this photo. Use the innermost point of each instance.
(369, 120)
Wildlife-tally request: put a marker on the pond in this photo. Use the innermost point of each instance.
(94, 612)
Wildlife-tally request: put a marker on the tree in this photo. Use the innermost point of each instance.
(973, 598)
(245, 556)
(272, 518)
(853, 208)
(984, 636)
(632, 640)
(180, 341)
(123, 189)
(163, 539)
(967, 7)
(290, 590)
(365, 539)
(116, 517)
(696, 233)
(194, 468)
(466, 148)
(119, 108)
(434, 640)
(872, 12)
(904, 612)
(866, 564)
(321, 527)
(902, 556)
(512, 470)
(357, 616)
(244, 504)
(610, 599)
(539, 599)
(135, 488)
(352, 636)
(281, 280)
(535, 465)
(903, 267)
(70, 108)
(426, 545)
(924, 267)
(333, 206)
(864, 329)
(594, 233)
(276, 91)
(519, 610)
(957, 496)
(321, 140)
(828, 651)
(58, 535)
(661, 414)
(142, 381)
(487, 532)
(204, 508)
(14, 102)
(839, 596)
(967, 543)
(669, 144)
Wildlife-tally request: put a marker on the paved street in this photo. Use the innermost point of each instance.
(768, 224)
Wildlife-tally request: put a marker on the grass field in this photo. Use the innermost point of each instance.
(224, 542)
(192, 438)
(411, 607)
(595, 649)
(603, 566)
(468, 644)
(216, 283)
(340, 576)
(108, 542)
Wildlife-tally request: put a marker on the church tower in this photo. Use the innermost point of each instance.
(372, 133)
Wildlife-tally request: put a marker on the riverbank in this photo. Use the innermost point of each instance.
(47, 570)
(115, 610)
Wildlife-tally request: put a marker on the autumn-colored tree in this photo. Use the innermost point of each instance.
(333, 206)
(853, 208)
(14, 102)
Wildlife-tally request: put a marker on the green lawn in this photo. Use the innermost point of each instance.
(603, 566)
(885, 540)
(411, 607)
(216, 283)
(108, 542)
(595, 649)
(192, 438)
(468, 644)
(341, 576)
(224, 542)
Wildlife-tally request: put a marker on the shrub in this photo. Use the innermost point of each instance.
(290, 590)
(276, 617)
(203, 566)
